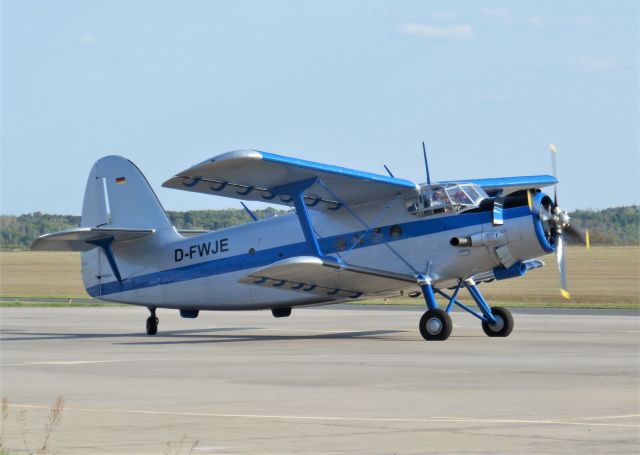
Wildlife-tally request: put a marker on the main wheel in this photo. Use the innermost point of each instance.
(435, 325)
(152, 325)
(503, 325)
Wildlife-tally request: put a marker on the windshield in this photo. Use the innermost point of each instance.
(450, 197)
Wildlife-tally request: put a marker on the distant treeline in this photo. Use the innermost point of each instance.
(619, 225)
(18, 232)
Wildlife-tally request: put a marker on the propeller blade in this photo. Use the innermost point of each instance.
(578, 232)
(554, 152)
(529, 201)
(560, 256)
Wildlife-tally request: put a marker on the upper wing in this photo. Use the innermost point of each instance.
(79, 239)
(249, 175)
(507, 185)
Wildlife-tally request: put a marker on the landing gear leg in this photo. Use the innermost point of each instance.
(435, 323)
(496, 321)
(152, 322)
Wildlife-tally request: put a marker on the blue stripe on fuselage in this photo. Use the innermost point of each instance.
(328, 245)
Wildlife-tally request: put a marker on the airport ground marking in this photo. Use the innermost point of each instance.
(433, 419)
(63, 362)
(627, 416)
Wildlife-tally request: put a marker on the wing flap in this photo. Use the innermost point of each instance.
(309, 274)
(78, 239)
(250, 175)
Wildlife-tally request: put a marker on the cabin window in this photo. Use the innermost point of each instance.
(358, 240)
(395, 232)
(376, 235)
(458, 196)
(445, 198)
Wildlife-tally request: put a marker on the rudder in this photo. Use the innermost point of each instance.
(118, 195)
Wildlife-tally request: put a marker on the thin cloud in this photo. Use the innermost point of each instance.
(434, 32)
(86, 39)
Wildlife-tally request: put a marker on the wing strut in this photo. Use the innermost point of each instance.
(296, 191)
(105, 244)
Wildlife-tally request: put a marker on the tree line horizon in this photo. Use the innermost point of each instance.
(611, 226)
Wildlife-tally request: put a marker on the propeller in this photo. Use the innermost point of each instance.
(557, 223)
(561, 259)
(554, 152)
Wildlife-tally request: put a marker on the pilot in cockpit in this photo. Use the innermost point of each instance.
(460, 198)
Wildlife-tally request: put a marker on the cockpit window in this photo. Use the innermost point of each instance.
(471, 191)
(450, 197)
(458, 196)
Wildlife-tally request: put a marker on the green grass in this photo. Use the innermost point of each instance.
(40, 274)
(38, 304)
(419, 302)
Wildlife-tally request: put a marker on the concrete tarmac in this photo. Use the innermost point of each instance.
(326, 380)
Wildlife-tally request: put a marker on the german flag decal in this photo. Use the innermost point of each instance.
(120, 180)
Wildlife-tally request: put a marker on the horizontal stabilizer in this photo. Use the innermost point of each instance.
(192, 232)
(313, 275)
(79, 239)
(251, 175)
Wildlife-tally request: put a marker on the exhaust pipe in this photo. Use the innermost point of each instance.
(481, 239)
(460, 241)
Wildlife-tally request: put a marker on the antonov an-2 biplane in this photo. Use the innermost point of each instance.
(354, 235)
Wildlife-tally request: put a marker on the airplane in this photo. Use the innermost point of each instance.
(351, 235)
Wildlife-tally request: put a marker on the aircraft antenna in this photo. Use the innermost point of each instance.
(389, 171)
(426, 162)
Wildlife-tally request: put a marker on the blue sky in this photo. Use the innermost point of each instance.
(168, 84)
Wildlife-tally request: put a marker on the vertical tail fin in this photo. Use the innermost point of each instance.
(122, 224)
(118, 196)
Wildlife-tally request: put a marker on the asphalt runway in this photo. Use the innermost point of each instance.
(326, 380)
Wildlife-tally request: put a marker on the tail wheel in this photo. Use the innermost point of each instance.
(435, 324)
(152, 325)
(503, 325)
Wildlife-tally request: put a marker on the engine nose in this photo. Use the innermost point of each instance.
(544, 222)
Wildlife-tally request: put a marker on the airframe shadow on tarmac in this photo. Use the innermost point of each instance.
(194, 336)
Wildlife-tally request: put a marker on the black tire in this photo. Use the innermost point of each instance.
(503, 328)
(435, 325)
(152, 325)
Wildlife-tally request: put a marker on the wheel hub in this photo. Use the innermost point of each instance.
(499, 325)
(434, 326)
